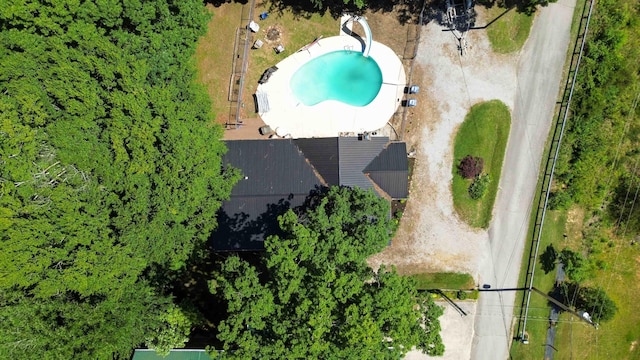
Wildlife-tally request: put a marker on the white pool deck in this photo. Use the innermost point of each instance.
(331, 118)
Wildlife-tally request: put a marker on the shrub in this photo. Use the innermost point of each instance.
(479, 186)
(560, 200)
(470, 167)
(601, 264)
(575, 265)
(461, 295)
(593, 300)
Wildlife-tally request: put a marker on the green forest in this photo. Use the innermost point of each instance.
(598, 163)
(110, 181)
(110, 175)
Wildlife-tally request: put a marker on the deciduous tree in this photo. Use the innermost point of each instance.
(593, 300)
(317, 298)
(109, 167)
(575, 265)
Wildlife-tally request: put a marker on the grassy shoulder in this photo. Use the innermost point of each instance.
(538, 317)
(443, 280)
(620, 337)
(510, 29)
(618, 272)
(484, 134)
(457, 286)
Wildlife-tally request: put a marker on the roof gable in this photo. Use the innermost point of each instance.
(390, 170)
(322, 153)
(355, 154)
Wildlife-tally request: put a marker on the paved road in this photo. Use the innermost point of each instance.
(539, 77)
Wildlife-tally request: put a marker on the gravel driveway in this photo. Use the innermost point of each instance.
(433, 238)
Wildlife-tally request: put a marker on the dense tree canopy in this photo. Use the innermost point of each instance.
(592, 300)
(601, 138)
(575, 265)
(313, 296)
(108, 168)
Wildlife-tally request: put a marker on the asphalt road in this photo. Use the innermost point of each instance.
(539, 76)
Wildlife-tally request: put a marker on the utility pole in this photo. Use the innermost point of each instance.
(582, 316)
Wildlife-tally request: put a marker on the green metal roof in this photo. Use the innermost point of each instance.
(177, 354)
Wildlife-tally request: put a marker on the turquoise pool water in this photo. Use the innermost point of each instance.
(345, 76)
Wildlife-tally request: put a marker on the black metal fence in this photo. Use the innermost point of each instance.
(543, 198)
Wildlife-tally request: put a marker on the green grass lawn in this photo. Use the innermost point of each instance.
(616, 339)
(510, 29)
(295, 32)
(620, 337)
(214, 56)
(537, 323)
(484, 133)
(443, 280)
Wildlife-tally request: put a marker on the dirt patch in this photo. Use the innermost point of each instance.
(415, 119)
(248, 129)
(273, 34)
(386, 29)
(431, 236)
(575, 222)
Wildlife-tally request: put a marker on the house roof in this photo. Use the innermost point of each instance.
(341, 160)
(275, 177)
(390, 170)
(269, 167)
(355, 154)
(279, 174)
(323, 154)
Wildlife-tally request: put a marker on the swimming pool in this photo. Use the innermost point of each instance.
(305, 108)
(343, 75)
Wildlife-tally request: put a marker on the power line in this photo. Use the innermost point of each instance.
(547, 191)
(607, 287)
(634, 105)
(634, 175)
(626, 197)
(626, 225)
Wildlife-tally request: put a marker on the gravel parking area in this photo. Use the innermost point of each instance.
(431, 237)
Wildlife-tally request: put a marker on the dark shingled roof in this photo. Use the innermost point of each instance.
(269, 167)
(390, 170)
(279, 174)
(355, 155)
(323, 155)
(275, 177)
